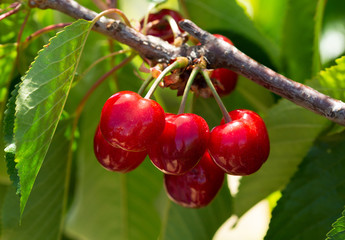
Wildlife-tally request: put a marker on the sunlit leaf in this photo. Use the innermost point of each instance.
(315, 195)
(41, 98)
(300, 45)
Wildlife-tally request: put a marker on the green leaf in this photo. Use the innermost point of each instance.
(10, 148)
(40, 101)
(300, 38)
(7, 58)
(315, 195)
(43, 215)
(338, 231)
(226, 15)
(270, 19)
(198, 224)
(292, 131)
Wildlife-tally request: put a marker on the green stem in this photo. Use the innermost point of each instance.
(220, 103)
(173, 25)
(180, 62)
(186, 89)
(145, 84)
(150, 7)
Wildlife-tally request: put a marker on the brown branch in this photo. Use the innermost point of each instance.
(216, 52)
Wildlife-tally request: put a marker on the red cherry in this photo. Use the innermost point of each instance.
(241, 146)
(198, 187)
(225, 79)
(113, 158)
(131, 122)
(181, 145)
(160, 27)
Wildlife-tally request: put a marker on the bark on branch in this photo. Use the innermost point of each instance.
(216, 52)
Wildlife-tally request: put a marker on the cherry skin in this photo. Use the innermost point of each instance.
(198, 187)
(131, 122)
(241, 146)
(160, 27)
(225, 79)
(181, 145)
(113, 158)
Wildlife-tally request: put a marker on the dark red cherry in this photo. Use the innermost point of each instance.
(181, 145)
(131, 122)
(198, 187)
(113, 158)
(224, 79)
(241, 146)
(158, 26)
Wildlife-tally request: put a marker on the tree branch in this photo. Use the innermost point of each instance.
(216, 52)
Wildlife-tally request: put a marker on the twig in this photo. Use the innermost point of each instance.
(216, 52)
(13, 11)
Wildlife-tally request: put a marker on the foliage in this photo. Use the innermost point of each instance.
(62, 192)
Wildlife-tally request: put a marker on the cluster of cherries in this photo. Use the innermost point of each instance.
(192, 158)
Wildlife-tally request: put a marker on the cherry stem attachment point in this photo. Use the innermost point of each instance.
(180, 62)
(220, 103)
(187, 88)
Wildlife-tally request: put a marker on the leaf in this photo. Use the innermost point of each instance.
(226, 15)
(7, 57)
(41, 98)
(183, 223)
(10, 148)
(43, 215)
(270, 19)
(338, 231)
(300, 38)
(292, 131)
(315, 195)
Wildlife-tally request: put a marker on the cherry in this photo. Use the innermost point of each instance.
(113, 158)
(181, 145)
(225, 79)
(241, 146)
(158, 26)
(131, 122)
(198, 187)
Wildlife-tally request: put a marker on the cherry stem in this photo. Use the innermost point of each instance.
(173, 25)
(145, 84)
(187, 88)
(220, 103)
(112, 10)
(180, 62)
(146, 18)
